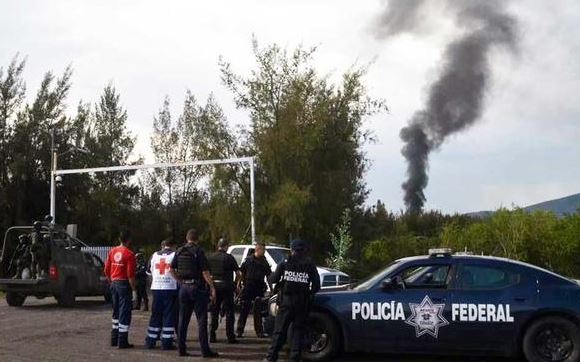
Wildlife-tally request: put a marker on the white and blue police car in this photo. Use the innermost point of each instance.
(450, 304)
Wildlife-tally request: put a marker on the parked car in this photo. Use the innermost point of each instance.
(277, 254)
(448, 304)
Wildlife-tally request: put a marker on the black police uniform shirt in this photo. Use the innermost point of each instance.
(255, 269)
(222, 267)
(298, 276)
(190, 262)
(141, 270)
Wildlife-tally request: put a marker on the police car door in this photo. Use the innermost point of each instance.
(409, 311)
(490, 301)
(425, 295)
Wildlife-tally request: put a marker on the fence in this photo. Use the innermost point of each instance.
(100, 251)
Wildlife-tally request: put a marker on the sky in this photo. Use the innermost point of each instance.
(525, 149)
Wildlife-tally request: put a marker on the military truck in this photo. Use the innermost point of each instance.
(69, 273)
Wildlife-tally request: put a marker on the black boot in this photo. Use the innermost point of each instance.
(212, 337)
(210, 354)
(114, 337)
(124, 341)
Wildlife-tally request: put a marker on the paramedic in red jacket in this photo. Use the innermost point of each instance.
(120, 270)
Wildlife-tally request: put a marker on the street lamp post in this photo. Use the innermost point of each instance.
(252, 200)
(53, 160)
(53, 174)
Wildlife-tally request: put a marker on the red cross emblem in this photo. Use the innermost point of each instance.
(162, 266)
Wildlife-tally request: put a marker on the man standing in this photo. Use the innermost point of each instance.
(164, 289)
(141, 281)
(223, 266)
(299, 282)
(37, 252)
(120, 270)
(190, 268)
(254, 270)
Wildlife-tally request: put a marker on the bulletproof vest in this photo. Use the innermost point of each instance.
(296, 277)
(187, 262)
(218, 267)
(256, 269)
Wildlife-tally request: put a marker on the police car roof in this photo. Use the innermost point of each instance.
(484, 258)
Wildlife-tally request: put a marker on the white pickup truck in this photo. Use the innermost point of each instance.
(276, 254)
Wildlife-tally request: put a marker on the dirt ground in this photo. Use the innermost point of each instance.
(42, 331)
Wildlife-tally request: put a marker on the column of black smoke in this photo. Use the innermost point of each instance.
(455, 99)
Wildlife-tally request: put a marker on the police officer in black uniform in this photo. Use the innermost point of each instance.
(299, 281)
(254, 270)
(190, 268)
(141, 280)
(223, 266)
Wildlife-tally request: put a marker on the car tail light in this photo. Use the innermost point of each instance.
(53, 272)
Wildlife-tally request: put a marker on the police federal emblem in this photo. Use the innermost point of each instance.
(427, 317)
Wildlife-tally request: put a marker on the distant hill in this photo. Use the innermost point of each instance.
(565, 205)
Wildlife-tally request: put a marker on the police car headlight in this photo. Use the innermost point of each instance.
(273, 308)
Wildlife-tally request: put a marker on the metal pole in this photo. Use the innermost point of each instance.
(252, 200)
(52, 177)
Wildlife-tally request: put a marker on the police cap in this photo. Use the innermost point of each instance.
(297, 244)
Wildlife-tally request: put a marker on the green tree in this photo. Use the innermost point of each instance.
(12, 92)
(200, 133)
(112, 196)
(31, 144)
(341, 242)
(307, 135)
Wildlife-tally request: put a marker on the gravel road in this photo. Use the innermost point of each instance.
(42, 331)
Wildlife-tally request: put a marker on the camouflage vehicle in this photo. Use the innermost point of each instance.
(61, 268)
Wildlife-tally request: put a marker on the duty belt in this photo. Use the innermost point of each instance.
(191, 281)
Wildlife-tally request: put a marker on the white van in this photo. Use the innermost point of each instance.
(277, 254)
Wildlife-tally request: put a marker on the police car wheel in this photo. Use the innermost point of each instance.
(15, 299)
(323, 338)
(552, 339)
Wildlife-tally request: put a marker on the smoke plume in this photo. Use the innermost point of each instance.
(456, 98)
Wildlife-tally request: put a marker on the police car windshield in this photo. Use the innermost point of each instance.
(278, 254)
(365, 285)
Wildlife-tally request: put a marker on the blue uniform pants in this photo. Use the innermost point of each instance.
(122, 297)
(225, 300)
(162, 322)
(293, 313)
(193, 299)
